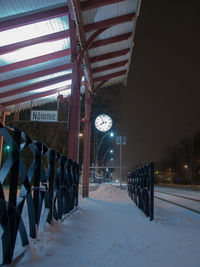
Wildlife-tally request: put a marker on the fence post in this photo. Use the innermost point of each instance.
(10, 234)
(151, 202)
(51, 179)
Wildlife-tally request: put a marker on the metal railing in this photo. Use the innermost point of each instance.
(48, 182)
(141, 188)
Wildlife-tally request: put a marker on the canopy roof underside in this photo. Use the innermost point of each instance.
(35, 54)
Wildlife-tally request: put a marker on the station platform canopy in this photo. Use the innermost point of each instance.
(35, 47)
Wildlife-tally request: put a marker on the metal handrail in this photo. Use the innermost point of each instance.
(39, 187)
(141, 188)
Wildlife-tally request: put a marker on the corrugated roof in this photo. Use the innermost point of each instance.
(35, 60)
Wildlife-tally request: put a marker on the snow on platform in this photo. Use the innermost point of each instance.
(109, 230)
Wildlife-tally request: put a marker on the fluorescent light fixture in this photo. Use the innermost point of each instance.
(53, 75)
(50, 87)
(35, 30)
(35, 51)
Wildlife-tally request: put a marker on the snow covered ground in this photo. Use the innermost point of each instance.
(109, 230)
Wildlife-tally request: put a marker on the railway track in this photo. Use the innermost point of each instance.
(191, 204)
(171, 194)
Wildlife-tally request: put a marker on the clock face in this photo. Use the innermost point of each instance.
(103, 123)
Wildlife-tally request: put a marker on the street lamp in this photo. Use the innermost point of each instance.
(186, 167)
(108, 151)
(111, 135)
(7, 149)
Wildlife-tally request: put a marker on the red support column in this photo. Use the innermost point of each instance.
(86, 147)
(2, 119)
(74, 117)
(87, 138)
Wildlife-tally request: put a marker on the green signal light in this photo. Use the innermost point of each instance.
(7, 147)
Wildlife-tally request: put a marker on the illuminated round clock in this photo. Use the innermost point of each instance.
(103, 122)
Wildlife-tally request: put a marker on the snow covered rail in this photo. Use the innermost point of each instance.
(141, 188)
(181, 201)
(171, 194)
(34, 180)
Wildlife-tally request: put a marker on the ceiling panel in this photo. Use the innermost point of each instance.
(19, 7)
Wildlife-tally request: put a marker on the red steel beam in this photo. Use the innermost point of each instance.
(2, 120)
(36, 96)
(74, 116)
(110, 66)
(89, 43)
(47, 38)
(87, 61)
(102, 57)
(35, 86)
(109, 76)
(35, 60)
(111, 40)
(97, 89)
(33, 18)
(93, 37)
(3, 109)
(109, 22)
(83, 40)
(86, 143)
(97, 3)
(35, 75)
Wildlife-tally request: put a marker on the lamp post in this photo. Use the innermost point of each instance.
(111, 135)
(108, 151)
(120, 140)
(98, 148)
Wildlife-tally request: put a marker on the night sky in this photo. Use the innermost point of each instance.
(163, 93)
